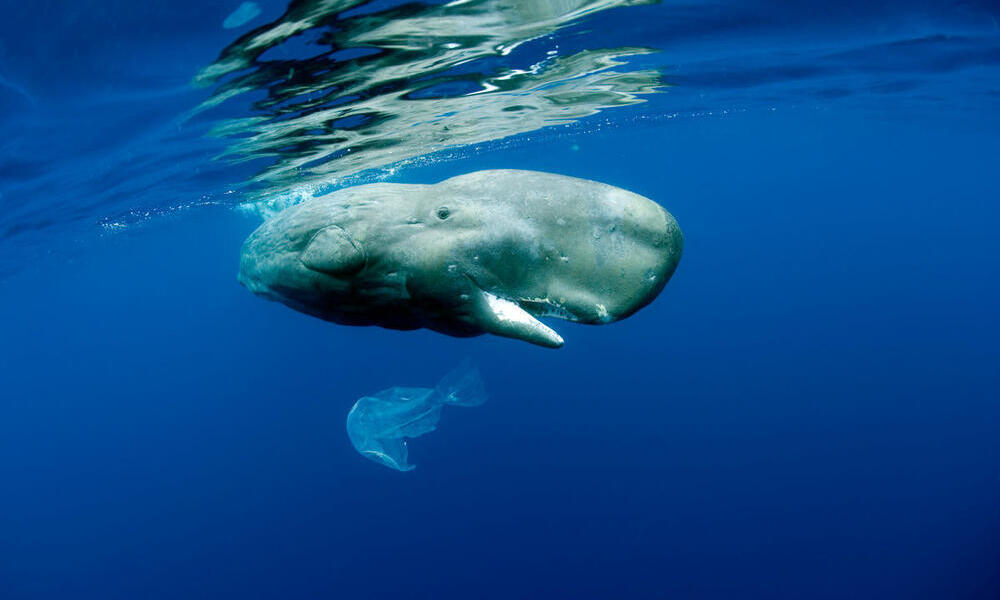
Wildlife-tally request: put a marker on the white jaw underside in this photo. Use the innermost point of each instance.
(511, 320)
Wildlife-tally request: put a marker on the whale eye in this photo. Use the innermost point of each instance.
(443, 213)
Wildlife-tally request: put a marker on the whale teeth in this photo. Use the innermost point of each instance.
(500, 316)
(546, 307)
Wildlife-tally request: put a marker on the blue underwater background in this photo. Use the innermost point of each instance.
(811, 408)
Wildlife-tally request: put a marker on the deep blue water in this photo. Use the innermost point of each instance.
(809, 410)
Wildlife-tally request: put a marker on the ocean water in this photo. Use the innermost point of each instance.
(810, 409)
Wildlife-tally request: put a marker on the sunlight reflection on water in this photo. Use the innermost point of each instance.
(378, 87)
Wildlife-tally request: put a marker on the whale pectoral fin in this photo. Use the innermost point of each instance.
(502, 317)
(332, 251)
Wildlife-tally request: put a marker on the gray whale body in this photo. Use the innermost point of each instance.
(486, 252)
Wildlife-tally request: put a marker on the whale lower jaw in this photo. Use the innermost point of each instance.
(504, 317)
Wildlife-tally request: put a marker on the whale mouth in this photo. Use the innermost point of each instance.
(519, 318)
(545, 307)
(513, 318)
(508, 318)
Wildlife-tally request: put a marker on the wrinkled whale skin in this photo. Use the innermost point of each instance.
(485, 252)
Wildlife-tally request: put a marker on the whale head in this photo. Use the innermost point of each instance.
(486, 252)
